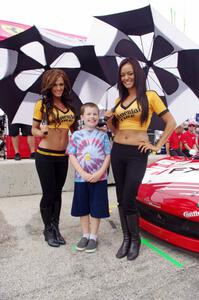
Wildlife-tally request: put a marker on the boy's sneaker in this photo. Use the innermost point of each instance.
(81, 245)
(91, 247)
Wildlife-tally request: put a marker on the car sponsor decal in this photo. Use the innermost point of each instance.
(191, 214)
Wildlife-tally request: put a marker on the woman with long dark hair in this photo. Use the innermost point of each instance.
(53, 117)
(129, 120)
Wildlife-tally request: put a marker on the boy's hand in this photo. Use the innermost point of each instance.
(95, 177)
(86, 176)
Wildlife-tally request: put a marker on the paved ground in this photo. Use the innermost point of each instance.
(29, 269)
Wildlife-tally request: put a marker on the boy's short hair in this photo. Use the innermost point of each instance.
(88, 104)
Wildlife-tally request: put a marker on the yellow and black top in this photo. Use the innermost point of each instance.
(66, 119)
(129, 117)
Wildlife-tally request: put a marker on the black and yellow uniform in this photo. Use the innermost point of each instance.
(128, 163)
(65, 119)
(129, 117)
(52, 167)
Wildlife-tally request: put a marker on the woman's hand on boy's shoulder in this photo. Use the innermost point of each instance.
(108, 115)
(103, 128)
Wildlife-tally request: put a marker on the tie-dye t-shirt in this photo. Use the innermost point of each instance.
(90, 148)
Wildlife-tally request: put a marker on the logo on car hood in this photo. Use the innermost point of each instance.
(191, 214)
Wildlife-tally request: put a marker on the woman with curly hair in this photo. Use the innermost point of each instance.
(54, 115)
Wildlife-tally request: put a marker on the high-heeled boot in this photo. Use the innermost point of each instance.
(124, 248)
(135, 241)
(48, 232)
(55, 222)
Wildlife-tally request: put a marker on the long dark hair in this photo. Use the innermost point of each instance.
(140, 85)
(48, 80)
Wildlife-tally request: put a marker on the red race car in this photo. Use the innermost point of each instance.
(168, 200)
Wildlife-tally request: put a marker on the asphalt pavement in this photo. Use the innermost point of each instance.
(30, 269)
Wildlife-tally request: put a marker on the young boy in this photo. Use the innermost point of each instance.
(89, 152)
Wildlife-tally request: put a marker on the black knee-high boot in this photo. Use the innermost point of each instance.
(55, 222)
(49, 233)
(135, 242)
(123, 250)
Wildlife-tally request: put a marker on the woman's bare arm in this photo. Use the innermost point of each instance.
(170, 126)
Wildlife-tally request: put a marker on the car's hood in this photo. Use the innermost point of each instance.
(172, 185)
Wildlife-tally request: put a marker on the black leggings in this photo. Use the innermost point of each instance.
(128, 165)
(52, 171)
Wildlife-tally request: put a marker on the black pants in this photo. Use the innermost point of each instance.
(128, 165)
(52, 171)
(186, 153)
(176, 152)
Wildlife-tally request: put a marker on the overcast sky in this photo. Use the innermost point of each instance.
(75, 16)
